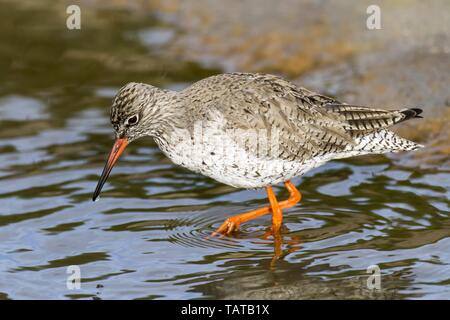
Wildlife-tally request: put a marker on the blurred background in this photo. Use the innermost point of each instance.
(145, 239)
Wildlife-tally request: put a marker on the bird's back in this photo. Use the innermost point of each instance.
(285, 128)
(309, 123)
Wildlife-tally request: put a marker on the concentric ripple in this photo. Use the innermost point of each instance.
(148, 235)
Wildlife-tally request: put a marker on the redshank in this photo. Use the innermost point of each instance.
(251, 131)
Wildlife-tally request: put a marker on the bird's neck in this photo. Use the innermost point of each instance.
(170, 113)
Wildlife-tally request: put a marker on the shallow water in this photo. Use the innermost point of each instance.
(145, 238)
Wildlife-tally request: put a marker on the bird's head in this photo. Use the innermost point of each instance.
(137, 110)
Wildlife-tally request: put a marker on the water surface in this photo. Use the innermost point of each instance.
(145, 238)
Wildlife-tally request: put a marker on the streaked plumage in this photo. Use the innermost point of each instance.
(253, 130)
(311, 128)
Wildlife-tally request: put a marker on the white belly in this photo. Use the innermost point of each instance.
(221, 158)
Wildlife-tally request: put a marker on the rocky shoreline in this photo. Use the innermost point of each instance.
(327, 47)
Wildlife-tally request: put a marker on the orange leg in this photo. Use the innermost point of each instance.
(232, 224)
(277, 215)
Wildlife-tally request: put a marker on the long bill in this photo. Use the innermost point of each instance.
(115, 153)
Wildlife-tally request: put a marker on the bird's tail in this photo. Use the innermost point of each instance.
(383, 141)
(368, 126)
(364, 119)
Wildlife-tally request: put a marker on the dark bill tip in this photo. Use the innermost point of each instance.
(115, 153)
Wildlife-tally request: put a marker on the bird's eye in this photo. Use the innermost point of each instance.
(132, 120)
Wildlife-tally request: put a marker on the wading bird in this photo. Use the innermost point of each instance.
(251, 131)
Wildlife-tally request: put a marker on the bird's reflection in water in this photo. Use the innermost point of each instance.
(283, 243)
(280, 239)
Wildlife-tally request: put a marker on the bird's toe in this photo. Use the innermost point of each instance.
(228, 227)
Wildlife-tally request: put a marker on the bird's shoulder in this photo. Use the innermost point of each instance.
(307, 124)
(248, 101)
(250, 94)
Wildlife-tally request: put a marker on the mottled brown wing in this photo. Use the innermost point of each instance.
(307, 124)
(364, 119)
(301, 126)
